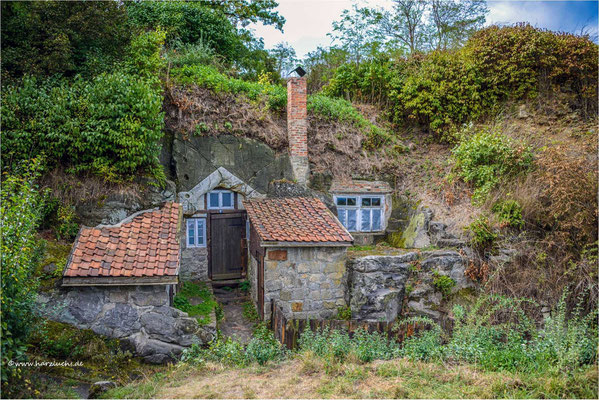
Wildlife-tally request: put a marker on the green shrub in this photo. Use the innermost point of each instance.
(200, 292)
(20, 211)
(245, 286)
(110, 125)
(264, 347)
(337, 344)
(565, 342)
(483, 237)
(443, 283)
(67, 226)
(486, 157)
(344, 313)
(509, 213)
(250, 313)
(426, 345)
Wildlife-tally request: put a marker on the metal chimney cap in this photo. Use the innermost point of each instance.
(299, 71)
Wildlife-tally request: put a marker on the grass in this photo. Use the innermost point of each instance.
(196, 300)
(308, 376)
(275, 98)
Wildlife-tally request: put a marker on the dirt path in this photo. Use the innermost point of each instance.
(234, 324)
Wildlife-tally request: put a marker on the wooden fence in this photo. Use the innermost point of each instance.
(288, 331)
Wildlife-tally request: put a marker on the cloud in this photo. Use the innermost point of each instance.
(309, 21)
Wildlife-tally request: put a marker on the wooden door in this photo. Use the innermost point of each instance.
(261, 287)
(227, 232)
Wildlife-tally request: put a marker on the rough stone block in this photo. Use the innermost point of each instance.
(277, 255)
(297, 306)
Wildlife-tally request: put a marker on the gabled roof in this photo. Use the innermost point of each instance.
(360, 186)
(296, 221)
(143, 245)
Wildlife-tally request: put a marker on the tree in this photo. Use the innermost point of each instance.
(356, 32)
(59, 37)
(406, 24)
(420, 25)
(244, 12)
(455, 20)
(284, 56)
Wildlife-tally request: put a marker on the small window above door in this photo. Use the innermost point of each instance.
(221, 199)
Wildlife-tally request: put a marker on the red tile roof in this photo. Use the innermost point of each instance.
(356, 186)
(145, 245)
(295, 219)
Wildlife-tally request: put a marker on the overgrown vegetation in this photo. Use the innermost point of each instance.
(20, 211)
(197, 301)
(485, 158)
(497, 334)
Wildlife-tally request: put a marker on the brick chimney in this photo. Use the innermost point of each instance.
(297, 128)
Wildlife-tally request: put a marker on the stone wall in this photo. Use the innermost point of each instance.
(140, 316)
(378, 285)
(194, 263)
(307, 282)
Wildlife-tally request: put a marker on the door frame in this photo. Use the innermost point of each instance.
(224, 214)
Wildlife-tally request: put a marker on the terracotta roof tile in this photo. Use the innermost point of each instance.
(295, 219)
(146, 245)
(358, 186)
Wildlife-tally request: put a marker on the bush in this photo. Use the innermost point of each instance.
(263, 347)
(483, 237)
(509, 213)
(337, 345)
(568, 343)
(110, 125)
(443, 283)
(427, 345)
(67, 227)
(20, 210)
(487, 157)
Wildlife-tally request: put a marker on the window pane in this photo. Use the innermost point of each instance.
(213, 200)
(342, 215)
(376, 220)
(376, 202)
(352, 217)
(366, 201)
(341, 201)
(201, 223)
(191, 232)
(351, 201)
(227, 199)
(365, 225)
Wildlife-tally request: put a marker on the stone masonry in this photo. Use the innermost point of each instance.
(297, 128)
(140, 316)
(307, 282)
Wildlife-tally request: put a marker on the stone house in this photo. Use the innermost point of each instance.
(297, 257)
(120, 279)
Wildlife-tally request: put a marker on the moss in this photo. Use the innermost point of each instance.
(410, 233)
(196, 300)
(54, 252)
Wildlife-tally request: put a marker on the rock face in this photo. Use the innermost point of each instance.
(140, 316)
(252, 161)
(377, 285)
(416, 234)
(425, 299)
(117, 207)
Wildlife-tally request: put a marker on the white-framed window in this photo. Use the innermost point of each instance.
(196, 232)
(360, 213)
(220, 199)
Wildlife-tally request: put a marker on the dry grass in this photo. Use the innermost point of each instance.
(307, 376)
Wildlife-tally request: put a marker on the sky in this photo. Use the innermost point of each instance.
(309, 21)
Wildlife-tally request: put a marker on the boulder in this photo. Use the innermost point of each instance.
(96, 389)
(416, 234)
(377, 285)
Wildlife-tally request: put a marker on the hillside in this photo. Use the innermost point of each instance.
(114, 109)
